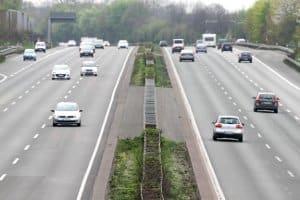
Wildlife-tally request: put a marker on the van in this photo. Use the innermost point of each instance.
(178, 45)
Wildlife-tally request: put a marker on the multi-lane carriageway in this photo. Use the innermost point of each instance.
(38, 161)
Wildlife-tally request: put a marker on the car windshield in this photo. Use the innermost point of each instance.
(228, 120)
(178, 41)
(29, 51)
(89, 64)
(245, 54)
(66, 107)
(61, 67)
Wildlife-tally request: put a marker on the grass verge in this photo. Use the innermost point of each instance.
(126, 177)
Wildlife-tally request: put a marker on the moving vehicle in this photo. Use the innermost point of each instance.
(186, 54)
(106, 43)
(200, 47)
(40, 46)
(227, 126)
(178, 45)
(226, 47)
(66, 113)
(220, 42)
(163, 43)
(123, 44)
(89, 67)
(245, 56)
(209, 39)
(29, 54)
(72, 43)
(61, 72)
(86, 50)
(99, 43)
(266, 101)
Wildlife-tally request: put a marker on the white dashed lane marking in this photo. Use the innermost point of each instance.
(16, 160)
(43, 126)
(5, 109)
(35, 136)
(268, 146)
(278, 158)
(26, 147)
(20, 97)
(2, 177)
(290, 174)
(259, 135)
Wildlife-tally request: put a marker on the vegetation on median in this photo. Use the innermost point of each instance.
(178, 178)
(157, 70)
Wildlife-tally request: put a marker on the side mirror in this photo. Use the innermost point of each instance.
(213, 122)
(253, 97)
(52, 110)
(243, 124)
(97, 65)
(80, 110)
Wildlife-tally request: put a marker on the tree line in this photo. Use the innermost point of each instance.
(267, 21)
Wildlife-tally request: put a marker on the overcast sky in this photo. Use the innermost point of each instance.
(230, 5)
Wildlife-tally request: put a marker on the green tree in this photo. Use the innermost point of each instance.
(11, 4)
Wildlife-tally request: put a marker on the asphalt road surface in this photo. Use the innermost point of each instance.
(266, 164)
(38, 161)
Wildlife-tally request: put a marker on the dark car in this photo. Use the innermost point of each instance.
(163, 43)
(226, 47)
(245, 56)
(220, 42)
(266, 101)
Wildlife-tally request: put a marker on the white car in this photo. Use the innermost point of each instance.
(186, 54)
(89, 67)
(123, 44)
(99, 43)
(61, 72)
(228, 126)
(66, 113)
(106, 43)
(40, 46)
(72, 43)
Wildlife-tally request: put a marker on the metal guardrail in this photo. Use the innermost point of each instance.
(293, 63)
(10, 50)
(267, 47)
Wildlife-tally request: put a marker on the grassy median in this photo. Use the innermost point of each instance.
(179, 183)
(158, 70)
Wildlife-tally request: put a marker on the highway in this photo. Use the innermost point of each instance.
(266, 164)
(39, 161)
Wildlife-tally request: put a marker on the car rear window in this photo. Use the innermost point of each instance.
(267, 97)
(228, 120)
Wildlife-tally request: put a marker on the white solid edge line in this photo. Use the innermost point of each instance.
(91, 162)
(277, 74)
(212, 174)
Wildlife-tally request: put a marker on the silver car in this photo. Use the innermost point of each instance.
(67, 113)
(89, 67)
(61, 72)
(227, 126)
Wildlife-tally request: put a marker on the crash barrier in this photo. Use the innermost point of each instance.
(286, 50)
(293, 63)
(11, 50)
(150, 104)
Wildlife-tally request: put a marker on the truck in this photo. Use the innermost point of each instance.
(178, 45)
(210, 39)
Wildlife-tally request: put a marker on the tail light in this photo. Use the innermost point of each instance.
(240, 126)
(275, 100)
(257, 101)
(218, 125)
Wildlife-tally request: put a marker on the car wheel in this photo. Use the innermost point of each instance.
(54, 124)
(96, 74)
(79, 124)
(239, 61)
(214, 138)
(240, 139)
(255, 109)
(276, 110)
(193, 60)
(53, 78)
(250, 61)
